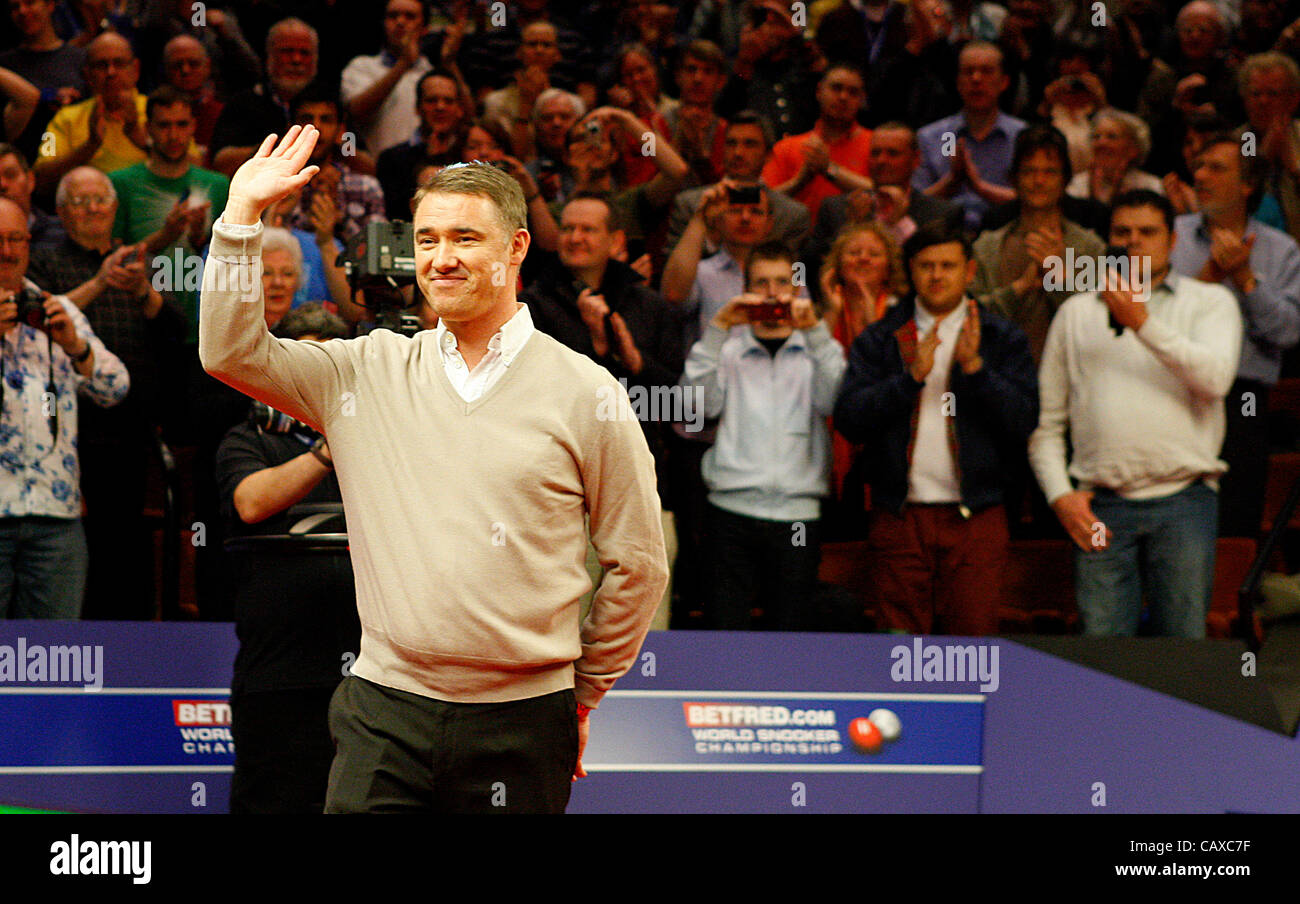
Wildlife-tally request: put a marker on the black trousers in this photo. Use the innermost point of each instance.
(283, 751)
(397, 752)
(767, 564)
(1245, 449)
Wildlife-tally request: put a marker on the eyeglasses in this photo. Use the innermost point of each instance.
(90, 201)
(16, 239)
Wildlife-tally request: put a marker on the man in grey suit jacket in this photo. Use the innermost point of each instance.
(748, 141)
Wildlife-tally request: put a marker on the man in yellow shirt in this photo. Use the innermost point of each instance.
(107, 130)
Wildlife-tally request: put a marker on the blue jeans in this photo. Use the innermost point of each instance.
(1163, 548)
(42, 567)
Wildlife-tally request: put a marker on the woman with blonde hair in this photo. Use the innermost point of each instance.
(861, 278)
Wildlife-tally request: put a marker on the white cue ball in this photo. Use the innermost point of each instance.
(887, 722)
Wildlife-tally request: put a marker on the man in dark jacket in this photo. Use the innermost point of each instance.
(601, 307)
(944, 396)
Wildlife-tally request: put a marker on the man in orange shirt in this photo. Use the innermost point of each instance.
(834, 156)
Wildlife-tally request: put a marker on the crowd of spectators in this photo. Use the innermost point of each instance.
(853, 229)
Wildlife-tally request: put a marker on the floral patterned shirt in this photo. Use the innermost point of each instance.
(39, 471)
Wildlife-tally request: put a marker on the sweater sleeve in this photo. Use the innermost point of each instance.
(1206, 360)
(1047, 453)
(828, 368)
(305, 379)
(627, 532)
(702, 371)
(871, 395)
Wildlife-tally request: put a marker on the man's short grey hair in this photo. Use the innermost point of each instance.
(1138, 131)
(1263, 62)
(550, 94)
(284, 25)
(275, 238)
(61, 193)
(485, 181)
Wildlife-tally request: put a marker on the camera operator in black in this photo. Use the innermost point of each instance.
(297, 621)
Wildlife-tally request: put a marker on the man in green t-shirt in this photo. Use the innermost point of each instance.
(168, 203)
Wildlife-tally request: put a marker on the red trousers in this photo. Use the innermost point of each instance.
(936, 572)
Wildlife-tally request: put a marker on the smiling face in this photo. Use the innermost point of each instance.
(1269, 94)
(89, 207)
(14, 247)
(865, 260)
(586, 241)
(1220, 189)
(554, 119)
(638, 75)
(466, 264)
(1112, 145)
(279, 283)
(1040, 180)
(291, 63)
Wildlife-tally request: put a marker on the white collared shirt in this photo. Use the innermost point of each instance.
(933, 475)
(501, 351)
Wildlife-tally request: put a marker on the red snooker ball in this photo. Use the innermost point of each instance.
(865, 735)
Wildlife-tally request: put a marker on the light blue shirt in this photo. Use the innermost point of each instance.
(992, 158)
(772, 458)
(1271, 314)
(718, 279)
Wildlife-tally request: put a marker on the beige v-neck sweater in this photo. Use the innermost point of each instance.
(467, 521)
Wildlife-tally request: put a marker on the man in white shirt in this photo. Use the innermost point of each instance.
(1138, 380)
(379, 91)
(938, 392)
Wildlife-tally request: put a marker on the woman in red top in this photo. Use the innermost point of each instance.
(861, 278)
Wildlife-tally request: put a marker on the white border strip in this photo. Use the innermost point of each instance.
(110, 770)
(783, 767)
(125, 691)
(804, 695)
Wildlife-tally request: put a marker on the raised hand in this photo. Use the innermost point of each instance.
(273, 172)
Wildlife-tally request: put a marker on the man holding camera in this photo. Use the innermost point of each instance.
(773, 385)
(42, 544)
(473, 466)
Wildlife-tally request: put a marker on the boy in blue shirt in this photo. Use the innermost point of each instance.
(773, 385)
